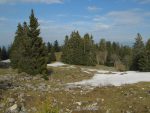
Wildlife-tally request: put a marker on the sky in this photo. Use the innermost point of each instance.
(114, 20)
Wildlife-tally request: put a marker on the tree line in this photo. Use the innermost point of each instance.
(4, 53)
(52, 49)
(30, 54)
(83, 51)
(78, 50)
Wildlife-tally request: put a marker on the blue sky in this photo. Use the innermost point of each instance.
(115, 20)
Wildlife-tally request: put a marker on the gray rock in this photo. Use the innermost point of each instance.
(13, 109)
(11, 100)
(42, 87)
(23, 110)
(21, 97)
(5, 84)
(2, 105)
(29, 86)
(33, 109)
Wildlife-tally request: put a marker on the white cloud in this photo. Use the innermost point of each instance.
(138, 1)
(93, 8)
(130, 18)
(31, 1)
(125, 17)
(101, 26)
(143, 1)
(3, 19)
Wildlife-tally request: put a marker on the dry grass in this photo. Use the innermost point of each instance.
(133, 98)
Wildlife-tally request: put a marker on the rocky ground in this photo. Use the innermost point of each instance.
(22, 93)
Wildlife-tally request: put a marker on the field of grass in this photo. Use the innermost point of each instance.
(133, 98)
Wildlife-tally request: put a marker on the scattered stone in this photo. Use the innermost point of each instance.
(128, 112)
(56, 89)
(4, 84)
(11, 100)
(23, 109)
(21, 97)
(143, 88)
(2, 105)
(140, 97)
(33, 109)
(102, 100)
(108, 111)
(13, 108)
(29, 86)
(42, 87)
(79, 103)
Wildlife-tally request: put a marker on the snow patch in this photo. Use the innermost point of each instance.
(56, 64)
(115, 79)
(6, 61)
(88, 70)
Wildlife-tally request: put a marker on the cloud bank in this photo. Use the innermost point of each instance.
(31, 1)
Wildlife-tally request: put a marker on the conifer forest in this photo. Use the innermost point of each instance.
(65, 65)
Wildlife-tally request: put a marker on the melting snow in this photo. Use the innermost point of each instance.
(6, 61)
(115, 79)
(56, 64)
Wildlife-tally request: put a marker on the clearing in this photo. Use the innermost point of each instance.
(75, 89)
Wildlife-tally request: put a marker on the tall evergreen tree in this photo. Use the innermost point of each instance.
(109, 61)
(125, 54)
(0, 53)
(74, 49)
(64, 56)
(29, 48)
(4, 54)
(101, 52)
(79, 51)
(144, 62)
(89, 53)
(52, 56)
(56, 46)
(38, 51)
(148, 54)
(115, 48)
(138, 49)
(49, 47)
(25, 50)
(16, 47)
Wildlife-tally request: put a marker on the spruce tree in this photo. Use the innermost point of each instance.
(79, 51)
(52, 56)
(148, 54)
(89, 53)
(115, 48)
(15, 54)
(109, 61)
(101, 52)
(144, 62)
(25, 50)
(29, 53)
(4, 55)
(138, 49)
(56, 46)
(64, 56)
(0, 53)
(49, 47)
(75, 51)
(38, 51)
(125, 54)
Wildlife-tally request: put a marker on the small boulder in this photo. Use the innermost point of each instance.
(11, 100)
(13, 108)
